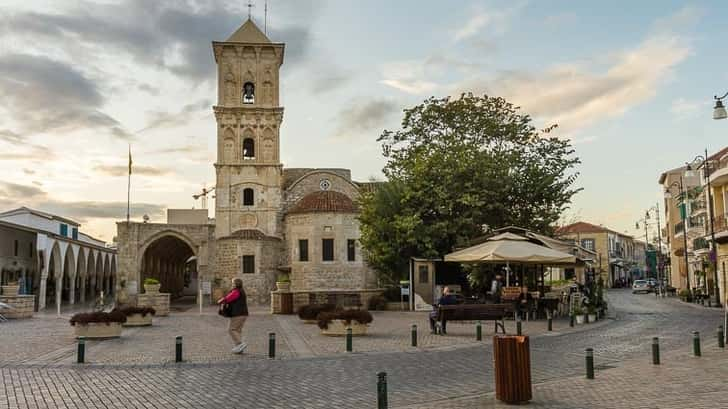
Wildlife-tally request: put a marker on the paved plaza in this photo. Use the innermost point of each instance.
(37, 366)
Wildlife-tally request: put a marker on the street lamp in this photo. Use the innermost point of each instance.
(656, 209)
(681, 195)
(704, 162)
(719, 111)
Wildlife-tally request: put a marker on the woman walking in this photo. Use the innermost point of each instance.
(236, 308)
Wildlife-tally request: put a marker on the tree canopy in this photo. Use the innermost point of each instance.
(456, 168)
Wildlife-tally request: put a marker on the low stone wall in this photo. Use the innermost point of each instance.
(159, 301)
(301, 298)
(23, 306)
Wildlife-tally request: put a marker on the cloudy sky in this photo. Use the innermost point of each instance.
(631, 83)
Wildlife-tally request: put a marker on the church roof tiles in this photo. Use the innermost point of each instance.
(325, 201)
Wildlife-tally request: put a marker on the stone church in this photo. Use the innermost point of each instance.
(269, 220)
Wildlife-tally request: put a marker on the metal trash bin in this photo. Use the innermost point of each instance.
(512, 359)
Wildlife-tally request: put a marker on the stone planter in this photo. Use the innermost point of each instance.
(284, 286)
(138, 320)
(310, 321)
(337, 328)
(152, 288)
(580, 319)
(12, 289)
(592, 317)
(98, 330)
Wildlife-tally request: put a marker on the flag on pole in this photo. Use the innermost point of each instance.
(130, 159)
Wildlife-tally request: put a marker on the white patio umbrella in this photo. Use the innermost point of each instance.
(510, 248)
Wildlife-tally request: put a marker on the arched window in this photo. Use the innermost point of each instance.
(248, 197)
(248, 148)
(248, 93)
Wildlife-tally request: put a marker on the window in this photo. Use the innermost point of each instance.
(64, 230)
(248, 149)
(351, 250)
(15, 249)
(588, 244)
(248, 93)
(74, 233)
(328, 249)
(248, 264)
(248, 197)
(424, 274)
(303, 250)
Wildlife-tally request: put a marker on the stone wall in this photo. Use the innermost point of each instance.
(23, 306)
(158, 301)
(258, 285)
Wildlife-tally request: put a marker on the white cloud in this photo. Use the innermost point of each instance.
(414, 87)
(495, 21)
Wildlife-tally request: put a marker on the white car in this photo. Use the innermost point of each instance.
(641, 286)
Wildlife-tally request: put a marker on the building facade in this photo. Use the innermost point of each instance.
(49, 257)
(269, 220)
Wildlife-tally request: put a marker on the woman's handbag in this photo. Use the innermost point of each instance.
(225, 310)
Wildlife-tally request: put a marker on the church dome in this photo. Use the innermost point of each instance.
(325, 201)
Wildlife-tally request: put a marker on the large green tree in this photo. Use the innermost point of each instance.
(458, 167)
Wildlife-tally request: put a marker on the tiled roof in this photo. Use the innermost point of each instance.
(249, 234)
(325, 201)
(581, 227)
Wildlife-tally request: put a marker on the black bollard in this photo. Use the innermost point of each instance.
(178, 348)
(656, 351)
(382, 390)
(348, 340)
(518, 327)
(414, 335)
(696, 343)
(271, 345)
(571, 320)
(589, 363)
(721, 339)
(478, 332)
(550, 324)
(81, 355)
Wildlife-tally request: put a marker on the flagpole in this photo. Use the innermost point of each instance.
(128, 190)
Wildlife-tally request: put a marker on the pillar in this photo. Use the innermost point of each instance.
(72, 291)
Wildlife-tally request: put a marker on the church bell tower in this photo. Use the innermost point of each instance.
(248, 115)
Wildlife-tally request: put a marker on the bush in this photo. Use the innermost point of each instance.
(377, 303)
(98, 317)
(360, 316)
(283, 278)
(311, 311)
(127, 311)
(151, 281)
(685, 295)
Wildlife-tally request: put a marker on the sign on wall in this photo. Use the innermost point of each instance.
(206, 288)
(131, 287)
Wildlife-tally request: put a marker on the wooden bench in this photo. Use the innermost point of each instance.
(476, 312)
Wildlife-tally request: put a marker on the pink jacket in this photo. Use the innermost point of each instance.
(232, 296)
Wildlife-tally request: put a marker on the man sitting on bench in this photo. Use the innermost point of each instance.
(446, 299)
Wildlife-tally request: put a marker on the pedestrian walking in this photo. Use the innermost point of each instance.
(235, 306)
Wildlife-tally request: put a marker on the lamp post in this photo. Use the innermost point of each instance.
(681, 195)
(704, 162)
(719, 111)
(659, 273)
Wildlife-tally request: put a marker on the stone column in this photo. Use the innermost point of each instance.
(42, 290)
(72, 291)
(82, 289)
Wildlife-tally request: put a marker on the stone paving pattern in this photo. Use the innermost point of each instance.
(442, 373)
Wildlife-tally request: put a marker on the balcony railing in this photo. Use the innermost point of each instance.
(679, 227)
(700, 243)
(697, 206)
(719, 223)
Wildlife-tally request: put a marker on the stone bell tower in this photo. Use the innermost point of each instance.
(248, 116)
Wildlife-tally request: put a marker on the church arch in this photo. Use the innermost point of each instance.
(166, 257)
(248, 148)
(248, 197)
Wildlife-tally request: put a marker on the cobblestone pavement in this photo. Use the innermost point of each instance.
(458, 372)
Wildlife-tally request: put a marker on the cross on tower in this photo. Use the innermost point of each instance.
(250, 8)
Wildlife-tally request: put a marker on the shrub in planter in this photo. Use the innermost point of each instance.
(137, 316)
(377, 303)
(310, 312)
(130, 310)
(685, 295)
(98, 317)
(346, 316)
(283, 282)
(151, 285)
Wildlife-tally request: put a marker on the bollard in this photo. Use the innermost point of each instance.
(478, 332)
(414, 335)
(518, 327)
(589, 363)
(696, 343)
(382, 390)
(571, 320)
(550, 324)
(655, 351)
(178, 348)
(586, 318)
(81, 356)
(348, 340)
(271, 345)
(721, 339)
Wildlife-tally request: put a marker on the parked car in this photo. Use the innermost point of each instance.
(641, 286)
(652, 282)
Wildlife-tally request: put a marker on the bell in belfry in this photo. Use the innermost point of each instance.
(248, 93)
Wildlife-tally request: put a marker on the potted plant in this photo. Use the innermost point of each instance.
(151, 285)
(283, 283)
(309, 313)
(579, 314)
(11, 288)
(137, 316)
(98, 324)
(685, 295)
(336, 323)
(592, 313)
